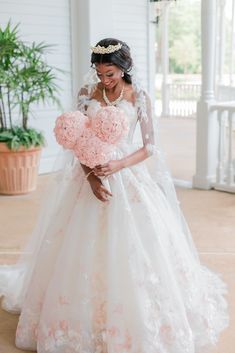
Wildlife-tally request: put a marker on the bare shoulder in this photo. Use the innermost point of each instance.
(97, 94)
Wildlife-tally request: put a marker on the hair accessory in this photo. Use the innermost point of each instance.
(106, 50)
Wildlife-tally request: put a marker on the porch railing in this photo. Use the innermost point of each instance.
(225, 173)
(181, 100)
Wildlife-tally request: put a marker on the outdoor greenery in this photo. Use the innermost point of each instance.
(25, 79)
(184, 37)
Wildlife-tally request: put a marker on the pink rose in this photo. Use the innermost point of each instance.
(90, 150)
(110, 124)
(68, 128)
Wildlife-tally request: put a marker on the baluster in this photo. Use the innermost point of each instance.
(177, 97)
(230, 166)
(185, 106)
(220, 167)
(171, 100)
(182, 109)
(177, 90)
(171, 91)
(186, 99)
(173, 97)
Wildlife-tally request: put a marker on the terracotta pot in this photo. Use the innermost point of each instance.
(18, 169)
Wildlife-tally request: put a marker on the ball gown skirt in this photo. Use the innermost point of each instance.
(116, 277)
(119, 277)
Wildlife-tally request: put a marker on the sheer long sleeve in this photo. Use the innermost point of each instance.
(82, 104)
(145, 118)
(82, 99)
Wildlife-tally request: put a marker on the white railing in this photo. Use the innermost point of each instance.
(181, 99)
(225, 173)
(225, 93)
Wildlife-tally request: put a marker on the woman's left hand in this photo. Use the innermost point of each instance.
(109, 168)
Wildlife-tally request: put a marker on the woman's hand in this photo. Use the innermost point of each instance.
(109, 168)
(98, 188)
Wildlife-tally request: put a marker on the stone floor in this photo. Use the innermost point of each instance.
(210, 215)
(178, 138)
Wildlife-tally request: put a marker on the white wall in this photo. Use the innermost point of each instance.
(49, 21)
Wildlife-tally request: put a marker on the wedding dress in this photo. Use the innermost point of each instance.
(116, 277)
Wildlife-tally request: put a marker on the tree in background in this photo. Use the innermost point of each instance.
(184, 37)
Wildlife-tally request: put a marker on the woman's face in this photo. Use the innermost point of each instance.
(108, 74)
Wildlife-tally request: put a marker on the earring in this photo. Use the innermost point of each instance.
(122, 74)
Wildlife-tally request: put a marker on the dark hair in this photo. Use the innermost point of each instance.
(121, 58)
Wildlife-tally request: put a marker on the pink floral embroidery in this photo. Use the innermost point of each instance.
(52, 330)
(126, 345)
(63, 324)
(166, 332)
(100, 314)
(118, 309)
(35, 331)
(62, 300)
(113, 331)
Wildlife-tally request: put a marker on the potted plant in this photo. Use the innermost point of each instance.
(25, 79)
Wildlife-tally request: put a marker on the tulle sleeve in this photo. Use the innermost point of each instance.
(84, 95)
(82, 99)
(145, 118)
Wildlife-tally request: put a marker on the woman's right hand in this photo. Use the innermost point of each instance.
(98, 188)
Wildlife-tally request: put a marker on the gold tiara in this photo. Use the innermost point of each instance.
(106, 50)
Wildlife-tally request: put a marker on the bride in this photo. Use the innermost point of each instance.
(111, 266)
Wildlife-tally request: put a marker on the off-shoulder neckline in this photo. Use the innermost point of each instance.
(123, 100)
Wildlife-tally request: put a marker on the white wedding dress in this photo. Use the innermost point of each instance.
(117, 277)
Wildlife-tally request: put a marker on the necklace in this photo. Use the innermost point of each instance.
(119, 98)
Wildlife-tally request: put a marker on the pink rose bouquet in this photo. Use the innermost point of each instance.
(92, 140)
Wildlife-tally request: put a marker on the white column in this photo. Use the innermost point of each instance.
(207, 126)
(232, 44)
(221, 49)
(91, 20)
(151, 50)
(165, 59)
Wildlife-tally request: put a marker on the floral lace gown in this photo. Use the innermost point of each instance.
(119, 277)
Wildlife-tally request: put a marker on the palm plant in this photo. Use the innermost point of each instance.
(25, 79)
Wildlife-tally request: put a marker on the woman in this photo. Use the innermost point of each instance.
(114, 268)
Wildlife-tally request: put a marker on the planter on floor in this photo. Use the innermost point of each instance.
(18, 169)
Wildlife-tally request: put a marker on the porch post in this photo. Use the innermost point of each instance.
(165, 60)
(207, 126)
(232, 44)
(221, 49)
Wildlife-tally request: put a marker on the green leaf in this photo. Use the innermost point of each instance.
(18, 136)
(24, 70)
